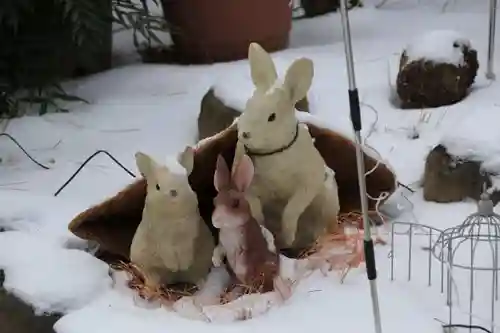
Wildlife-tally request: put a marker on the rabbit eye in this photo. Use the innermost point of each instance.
(173, 193)
(157, 187)
(235, 203)
(272, 117)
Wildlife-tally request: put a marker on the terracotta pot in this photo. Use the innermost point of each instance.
(207, 31)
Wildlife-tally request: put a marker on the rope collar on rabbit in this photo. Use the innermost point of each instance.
(250, 152)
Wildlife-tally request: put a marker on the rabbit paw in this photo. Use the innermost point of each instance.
(288, 236)
(288, 231)
(283, 287)
(218, 256)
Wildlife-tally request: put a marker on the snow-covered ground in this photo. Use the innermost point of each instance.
(153, 108)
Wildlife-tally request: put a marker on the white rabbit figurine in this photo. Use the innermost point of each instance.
(289, 170)
(172, 243)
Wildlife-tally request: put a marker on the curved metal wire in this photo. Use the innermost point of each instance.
(479, 230)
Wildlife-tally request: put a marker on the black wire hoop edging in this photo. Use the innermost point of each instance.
(474, 327)
(11, 138)
(86, 162)
(126, 170)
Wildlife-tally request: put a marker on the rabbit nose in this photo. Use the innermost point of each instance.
(245, 135)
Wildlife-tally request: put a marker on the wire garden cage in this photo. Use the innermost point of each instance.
(466, 255)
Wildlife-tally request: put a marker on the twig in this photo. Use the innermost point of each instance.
(13, 183)
(380, 4)
(12, 189)
(120, 130)
(445, 5)
(406, 187)
(87, 161)
(49, 148)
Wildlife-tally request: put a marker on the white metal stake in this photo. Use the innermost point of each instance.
(356, 124)
(490, 74)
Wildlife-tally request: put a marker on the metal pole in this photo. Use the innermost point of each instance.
(356, 124)
(491, 40)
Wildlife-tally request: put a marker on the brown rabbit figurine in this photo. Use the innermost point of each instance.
(248, 246)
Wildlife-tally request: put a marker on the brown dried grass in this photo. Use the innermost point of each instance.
(352, 244)
(317, 256)
(166, 295)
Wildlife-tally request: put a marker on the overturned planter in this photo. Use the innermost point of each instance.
(436, 69)
(112, 224)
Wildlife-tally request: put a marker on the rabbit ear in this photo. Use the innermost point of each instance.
(145, 164)
(298, 79)
(186, 159)
(243, 174)
(262, 67)
(222, 174)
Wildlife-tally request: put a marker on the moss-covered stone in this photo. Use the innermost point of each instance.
(450, 179)
(424, 83)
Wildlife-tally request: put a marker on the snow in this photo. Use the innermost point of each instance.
(438, 46)
(154, 108)
(471, 139)
(50, 278)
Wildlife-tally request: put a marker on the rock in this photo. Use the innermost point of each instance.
(423, 82)
(215, 115)
(450, 179)
(19, 317)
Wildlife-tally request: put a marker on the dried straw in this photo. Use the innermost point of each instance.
(319, 254)
(163, 294)
(350, 243)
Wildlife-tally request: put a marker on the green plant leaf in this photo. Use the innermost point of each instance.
(33, 99)
(67, 97)
(30, 54)
(43, 108)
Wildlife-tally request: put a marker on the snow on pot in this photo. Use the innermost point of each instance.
(436, 69)
(465, 160)
(220, 30)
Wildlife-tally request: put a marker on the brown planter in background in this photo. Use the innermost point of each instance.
(314, 8)
(209, 31)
